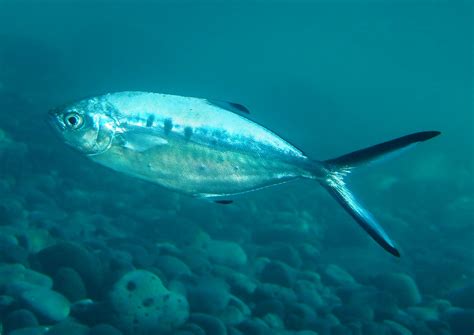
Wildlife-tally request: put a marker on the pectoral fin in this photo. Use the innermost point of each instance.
(142, 142)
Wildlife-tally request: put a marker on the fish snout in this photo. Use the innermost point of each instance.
(53, 119)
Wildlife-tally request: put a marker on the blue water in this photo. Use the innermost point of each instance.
(82, 247)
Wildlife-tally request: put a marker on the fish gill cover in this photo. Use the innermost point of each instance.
(86, 250)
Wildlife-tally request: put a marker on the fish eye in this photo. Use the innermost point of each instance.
(73, 120)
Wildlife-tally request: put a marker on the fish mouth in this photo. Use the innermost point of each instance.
(53, 120)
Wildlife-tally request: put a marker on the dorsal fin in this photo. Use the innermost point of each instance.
(230, 106)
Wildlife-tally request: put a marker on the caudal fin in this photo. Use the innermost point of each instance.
(339, 168)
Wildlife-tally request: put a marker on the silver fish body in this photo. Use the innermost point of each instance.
(207, 149)
(190, 145)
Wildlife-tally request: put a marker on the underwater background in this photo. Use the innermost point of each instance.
(85, 250)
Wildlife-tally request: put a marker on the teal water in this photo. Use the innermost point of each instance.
(330, 77)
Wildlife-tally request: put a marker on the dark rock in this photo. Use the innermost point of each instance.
(285, 234)
(68, 328)
(172, 266)
(277, 273)
(193, 329)
(254, 327)
(341, 330)
(463, 297)
(401, 286)
(460, 320)
(68, 282)
(89, 312)
(385, 306)
(12, 253)
(273, 291)
(21, 318)
(67, 254)
(270, 306)
(336, 276)
(104, 329)
(208, 295)
(298, 316)
(208, 323)
(226, 253)
(284, 253)
(372, 328)
(6, 303)
(353, 312)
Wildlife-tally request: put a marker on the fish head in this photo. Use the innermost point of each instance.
(87, 126)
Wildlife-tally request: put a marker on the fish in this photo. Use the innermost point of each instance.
(210, 149)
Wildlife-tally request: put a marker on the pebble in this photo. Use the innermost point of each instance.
(210, 324)
(208, 295)
(69, 283)
(104, 329)
(72, 255)
(336, 276)
(401, 286)
(226, 253)
(397, 329)
(47, 303)
(20, 318)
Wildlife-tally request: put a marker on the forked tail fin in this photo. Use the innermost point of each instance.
(339, 168)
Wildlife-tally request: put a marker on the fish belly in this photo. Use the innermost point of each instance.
(200, 170)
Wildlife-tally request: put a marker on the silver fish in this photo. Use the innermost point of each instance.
(208, 149)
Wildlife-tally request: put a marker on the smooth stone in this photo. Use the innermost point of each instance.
(12, 253)
(10, 273)
(277, 273)
(423, 313)
(47, 303)
(340, 330)
(240, 284)
(353, 312)
(299, 316)
(284, 253)
(208, 323)
(104, 329)
(29, 331)
(270, 306)
(193, 329)
(6, 302)
(255, 327)
(68, 328)
(226, 253)
(372, 328)
(463, 297)
(401, 286)
(385, 306)
(208, 295)
(172, 266)
(69, 283)
(67, 254)
(235, 312)
(273, 291)
(273, 321)
(21, 318)
(396, 328)
(461, 321)
(336, 276)
(307, 292)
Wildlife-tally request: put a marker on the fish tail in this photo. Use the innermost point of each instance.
(332, 175)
